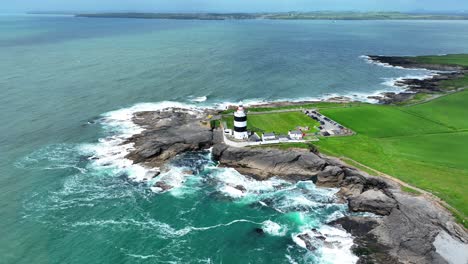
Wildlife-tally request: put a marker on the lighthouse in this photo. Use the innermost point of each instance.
(240, 124)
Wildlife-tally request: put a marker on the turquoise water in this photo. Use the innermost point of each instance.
(58, 73)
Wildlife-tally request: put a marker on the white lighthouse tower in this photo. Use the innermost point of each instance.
(240, 124)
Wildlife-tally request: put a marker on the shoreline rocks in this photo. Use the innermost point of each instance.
(413, 86)
(404, 232)
(265, 163)
(407, 227)
(168, 133)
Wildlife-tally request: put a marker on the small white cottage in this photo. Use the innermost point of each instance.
(295, 135)
(268, 136)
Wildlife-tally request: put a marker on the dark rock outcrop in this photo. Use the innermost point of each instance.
(168, 133)
(163, 186)
(372, 201)
(264, 163)
(331, 176)
(410, 63)
(306, 238)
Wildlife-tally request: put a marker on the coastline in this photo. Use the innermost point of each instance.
(408, 86)
(152, 144)
(408, 228)
(412, 87)
(293, 15)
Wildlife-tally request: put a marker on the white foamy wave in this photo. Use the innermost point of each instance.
(141, 256)
(236, 185)
(231, 191)
(53, 157)
(221, 225)
(111, 151)
(164, 230)
(382, 64)
(337, 246)
(331, 244)
(273, 228)
(387, 65)
(396, 82)
(174, 178)
(200, 99)
(299, 242)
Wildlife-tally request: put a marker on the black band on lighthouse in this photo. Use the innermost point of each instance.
(240, 119)
(240, 129)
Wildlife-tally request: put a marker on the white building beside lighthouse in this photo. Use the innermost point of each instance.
(240, 124)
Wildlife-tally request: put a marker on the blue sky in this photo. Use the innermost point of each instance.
(232, 5)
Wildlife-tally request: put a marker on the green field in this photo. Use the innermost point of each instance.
(425, 145)
(383, 121)
(321, 105)
(451, 59)
(279, 123)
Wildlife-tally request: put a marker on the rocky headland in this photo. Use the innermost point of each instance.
(408, 229)
(430, 85)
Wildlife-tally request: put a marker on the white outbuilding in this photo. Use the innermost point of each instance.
(295, 135)
(269, 137)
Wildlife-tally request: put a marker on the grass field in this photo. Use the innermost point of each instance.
(321, 105)
(280, 123)
(451, 112)
(383, 121)
(451, 59)
(425, 145)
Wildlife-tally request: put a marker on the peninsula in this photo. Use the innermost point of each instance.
(397, 166)
(319, 15)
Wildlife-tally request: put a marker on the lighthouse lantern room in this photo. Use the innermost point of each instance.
(240, 124)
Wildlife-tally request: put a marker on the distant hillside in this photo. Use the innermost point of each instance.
(288, 16)
(193, 16)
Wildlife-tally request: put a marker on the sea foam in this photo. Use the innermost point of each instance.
(111, 151)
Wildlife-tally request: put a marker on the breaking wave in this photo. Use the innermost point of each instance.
(200, 99)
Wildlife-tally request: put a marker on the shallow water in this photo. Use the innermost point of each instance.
(69, 87)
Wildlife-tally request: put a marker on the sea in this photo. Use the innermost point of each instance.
(69, 87)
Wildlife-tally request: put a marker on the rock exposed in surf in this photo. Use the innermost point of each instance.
(259, 231)
(167, 133)
(163, 186)
(307, 240)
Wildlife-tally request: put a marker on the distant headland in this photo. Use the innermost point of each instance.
(318, 15)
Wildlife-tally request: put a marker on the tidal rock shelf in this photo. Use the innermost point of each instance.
(406, 231)
(429, 85)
